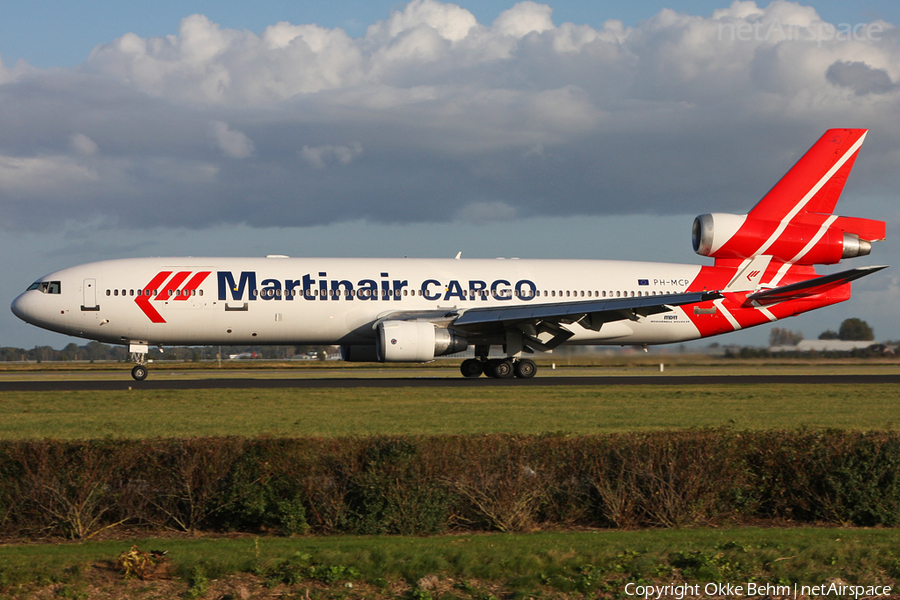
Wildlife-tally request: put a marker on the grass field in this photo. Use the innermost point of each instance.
(548, 564)
(431, 411)
(542, 564)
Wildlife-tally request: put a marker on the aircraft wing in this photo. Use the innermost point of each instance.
(542, 325)
(811, 287)
(612, 309)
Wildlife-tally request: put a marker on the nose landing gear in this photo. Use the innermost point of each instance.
(139, 372)
(138, 354)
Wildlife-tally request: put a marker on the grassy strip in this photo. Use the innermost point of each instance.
(636, 365)
(477, 565)
(437, 411)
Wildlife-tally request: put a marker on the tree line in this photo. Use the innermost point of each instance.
(852, 329)
(96, 351)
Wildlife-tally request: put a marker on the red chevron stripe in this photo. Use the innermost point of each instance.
(192, 285)
(143, 301)
(166, 292)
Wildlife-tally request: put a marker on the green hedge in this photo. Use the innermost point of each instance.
(424, 485)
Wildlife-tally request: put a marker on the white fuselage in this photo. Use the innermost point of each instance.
(280, 300)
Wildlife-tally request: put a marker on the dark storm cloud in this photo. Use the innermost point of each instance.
(433, 117)
(860, 77)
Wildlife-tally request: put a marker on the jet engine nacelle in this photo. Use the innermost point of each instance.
(415, 341)
(359, 353)
(809, 239)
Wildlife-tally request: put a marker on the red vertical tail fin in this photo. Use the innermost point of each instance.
(793, 222)
(815, 183)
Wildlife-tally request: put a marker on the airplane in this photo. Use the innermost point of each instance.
(413, 310)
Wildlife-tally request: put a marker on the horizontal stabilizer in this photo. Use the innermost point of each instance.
(812, 287)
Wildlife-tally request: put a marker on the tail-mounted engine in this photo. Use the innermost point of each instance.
(807, 239)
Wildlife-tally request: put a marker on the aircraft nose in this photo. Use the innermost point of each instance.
(24, 307)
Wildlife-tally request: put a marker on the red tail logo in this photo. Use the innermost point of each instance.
(172, 290)
(752, 275)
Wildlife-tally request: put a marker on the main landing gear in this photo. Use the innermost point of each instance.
(499, 368)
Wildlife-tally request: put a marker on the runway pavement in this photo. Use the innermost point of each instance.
(63, 385)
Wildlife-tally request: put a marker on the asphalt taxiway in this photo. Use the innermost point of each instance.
(125, 383)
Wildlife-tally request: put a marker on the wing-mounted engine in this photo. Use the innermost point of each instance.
(807, 239)
(407, 341)
(415, 341)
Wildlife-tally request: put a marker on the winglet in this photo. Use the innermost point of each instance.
(749, 277)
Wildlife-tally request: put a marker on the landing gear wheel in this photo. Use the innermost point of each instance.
(525, 368)
(471, 367)
(503, 369)
(139, 372)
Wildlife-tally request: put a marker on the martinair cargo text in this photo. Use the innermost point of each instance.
(395, 310)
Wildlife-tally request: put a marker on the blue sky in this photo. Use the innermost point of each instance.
(59, 33)
(426, 128)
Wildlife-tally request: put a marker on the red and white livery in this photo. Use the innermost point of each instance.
(393, 310)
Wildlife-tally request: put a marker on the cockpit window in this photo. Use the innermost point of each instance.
(47, 287)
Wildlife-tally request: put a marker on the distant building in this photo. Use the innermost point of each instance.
(825, 346)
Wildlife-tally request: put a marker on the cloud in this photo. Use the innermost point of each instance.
(524, 18)
(680, 114)
(448, 21)
(42, 176)
(321, 157)
(84, 145)
(860, 77)
(479, 213)
(5, 75)
(232, 143)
